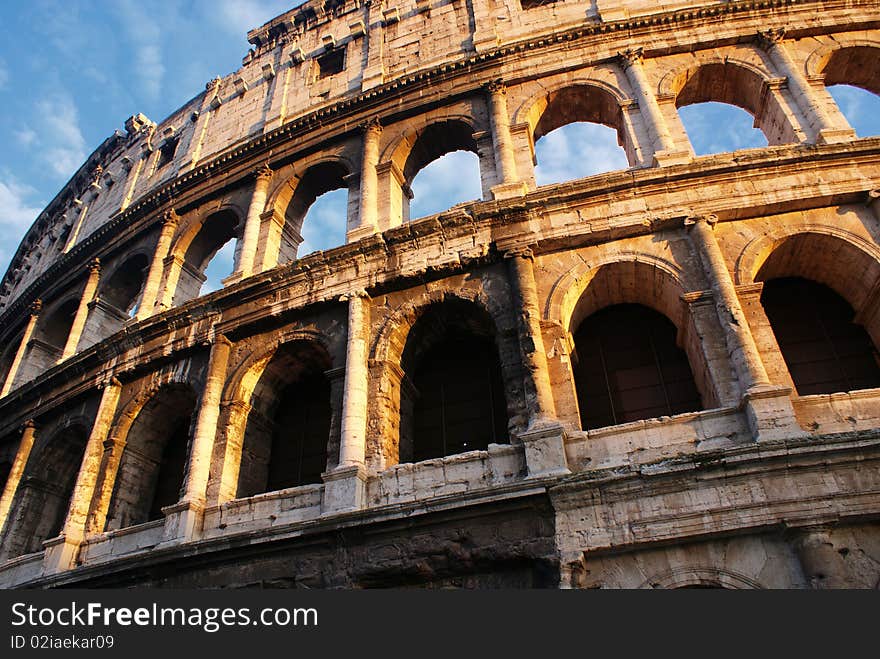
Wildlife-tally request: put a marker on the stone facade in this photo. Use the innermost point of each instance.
(273, 433)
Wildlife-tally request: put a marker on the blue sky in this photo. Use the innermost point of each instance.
(72, 72)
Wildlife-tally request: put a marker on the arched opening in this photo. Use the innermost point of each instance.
(452, 399)
(628, 367)
(824, 350)
(209, 245)
(288, 428)
(579, 133)
(854, 65)
(153, 465)
(8, 449)
(861, 108)
(7, 355)
(452, 180)
(43, 497)
(739, 86)
(325, 221)
(317, 213)
(116, 302)
(50, 336)
(123, 287)
(720, 128)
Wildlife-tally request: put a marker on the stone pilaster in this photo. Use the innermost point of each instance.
(247, 254)
(804, 94)
(36, 307)
(185, 519)
(544, 439)
(768, 407)
(82, 312)
(368, 211)
(661, 140)
(344, 486)
(502, 143)
(61, 553)
(154, 276)
(19, 463)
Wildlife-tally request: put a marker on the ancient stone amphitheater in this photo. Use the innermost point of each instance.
(657, 377)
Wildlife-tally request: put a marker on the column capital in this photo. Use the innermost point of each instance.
(371, 125)
(358, 294)
(631, 56)
(36, 307)
(94, 266)
(110, 382)
(520, 252)
(30, 424)
(495, 86)
(709, 218)
(170, 218)
(263, 173)
(769, 38)
(872, 195)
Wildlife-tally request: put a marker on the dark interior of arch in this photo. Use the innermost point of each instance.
(824, 350)
(124, 285)
(579, 103)
(318, 179)
(452, 398)
(154, 460)
(857, 65)
(628, 367)
(56, 329)
(288, 427)
(216, 231)
(437, 140)
(44, 493)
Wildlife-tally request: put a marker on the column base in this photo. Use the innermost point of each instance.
(183, 522)
(359, 232)
(664, 158)
(835, 135)
(544, 444)
(60, 554)
(509, 190)
(770, 413)
(344, 490)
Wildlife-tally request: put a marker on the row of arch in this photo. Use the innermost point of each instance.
(200, 239)
(458, 384)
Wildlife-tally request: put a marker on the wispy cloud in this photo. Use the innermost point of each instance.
(25, 136)
(324, 223)
(239, 16)
(18, 210)
(4, 74)
(143, 30)
(451, 179)
(719, 127)
(577, 150)
(60, 144)
(860, 107)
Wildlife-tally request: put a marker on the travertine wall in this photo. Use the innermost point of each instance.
(761, 487)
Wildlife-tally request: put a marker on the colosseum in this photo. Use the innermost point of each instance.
(658, 377)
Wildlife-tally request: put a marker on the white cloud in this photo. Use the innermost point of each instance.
(719, 128)
(577, 150)
(239, 16)
(25, 136)
(59, 140)
(18, 211)
(144, 32)
(451, 179)
(4, 74)
(324, 224)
